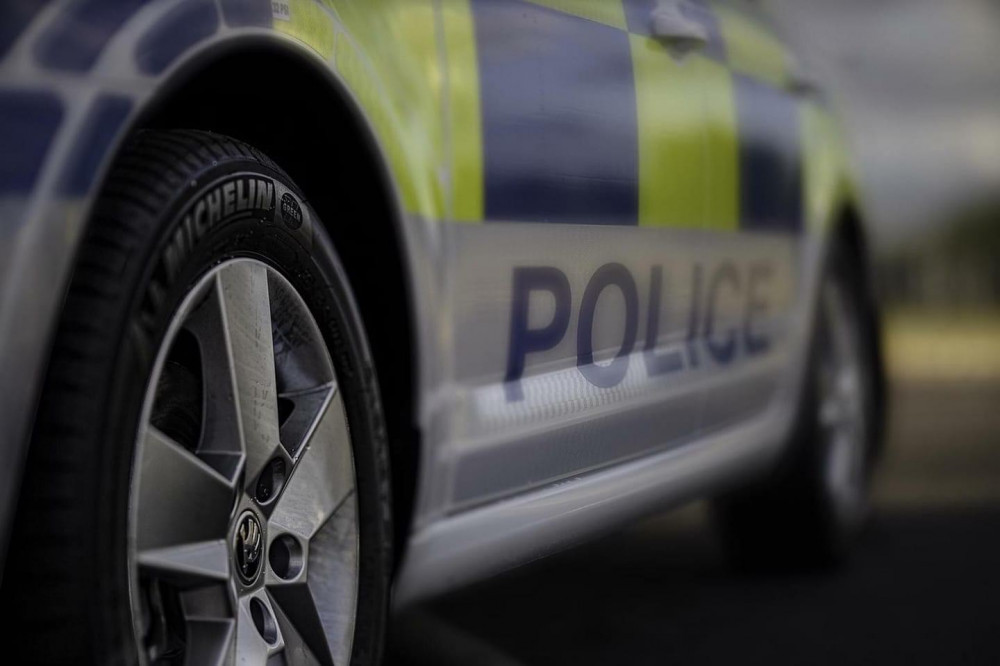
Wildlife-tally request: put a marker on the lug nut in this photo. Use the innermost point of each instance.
(285, 557)
(263, 619)
(270, 482)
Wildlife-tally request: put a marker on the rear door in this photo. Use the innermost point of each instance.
(769, 235)
(598, 285)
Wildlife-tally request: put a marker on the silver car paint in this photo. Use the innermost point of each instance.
(453, 545)
(460, 281)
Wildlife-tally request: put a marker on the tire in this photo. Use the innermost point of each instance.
(808, 512)
(209, 340)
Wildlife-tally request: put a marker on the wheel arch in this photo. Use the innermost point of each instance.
(222, 92)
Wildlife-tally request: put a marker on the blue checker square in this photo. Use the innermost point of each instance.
(28, 124)
(559, 116)
(770, 157)
(80, 31)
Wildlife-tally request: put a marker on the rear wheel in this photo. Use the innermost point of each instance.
(809, 511)
(208, 482)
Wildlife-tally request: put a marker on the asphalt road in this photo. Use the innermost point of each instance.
(922, 588)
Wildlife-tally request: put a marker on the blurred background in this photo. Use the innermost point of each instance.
(917, 86)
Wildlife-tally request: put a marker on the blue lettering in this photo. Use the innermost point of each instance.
(694, 316)
(670, 361)
(721, 350)
(606, 376)
(755, 343)
(524, 340)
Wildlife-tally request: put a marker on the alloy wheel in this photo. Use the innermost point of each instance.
(243, 541)
(841, 405)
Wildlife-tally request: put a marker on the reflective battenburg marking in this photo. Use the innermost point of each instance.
(15, 15)
(184, 26)
(81, 31)
(559, 116)
(770, 157)
(688, 153)
(99, 130)
(28, 122)
(242, 13)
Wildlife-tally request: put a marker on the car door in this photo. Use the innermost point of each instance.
(717, 154)
(594, 184)
(768, 238)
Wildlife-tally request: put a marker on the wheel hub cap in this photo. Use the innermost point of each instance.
(248, 546)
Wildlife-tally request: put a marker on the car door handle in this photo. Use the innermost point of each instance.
(673, 26)
(801, 81)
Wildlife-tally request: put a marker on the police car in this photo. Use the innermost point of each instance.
(313, 308)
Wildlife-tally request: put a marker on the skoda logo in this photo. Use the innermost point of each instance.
(248, 547)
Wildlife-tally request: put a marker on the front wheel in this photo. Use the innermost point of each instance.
(208, 480)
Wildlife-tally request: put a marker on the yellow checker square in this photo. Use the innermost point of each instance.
(751, 49)
(721, 147)
(465, 133)
(308, 22)
(688, 151)
(401, 90)
(825, 165)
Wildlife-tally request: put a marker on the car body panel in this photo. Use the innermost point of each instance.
(612, 249)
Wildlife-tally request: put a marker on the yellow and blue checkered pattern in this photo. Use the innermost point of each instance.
(569, 111)
(586, 118)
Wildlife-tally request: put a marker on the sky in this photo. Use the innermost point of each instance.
(917, 86)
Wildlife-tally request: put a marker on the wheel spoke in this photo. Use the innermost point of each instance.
(181, 499)
(246, 313)
(847, 381)
(306, 407)
(208, 641)
(218, 447)
(258, 635)
(297, 650)
(322, 478)
(832, 412)
(323, 608)
(841, 462)
(208, 559)
(209, 626)
(333, 569)
(300, 357)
